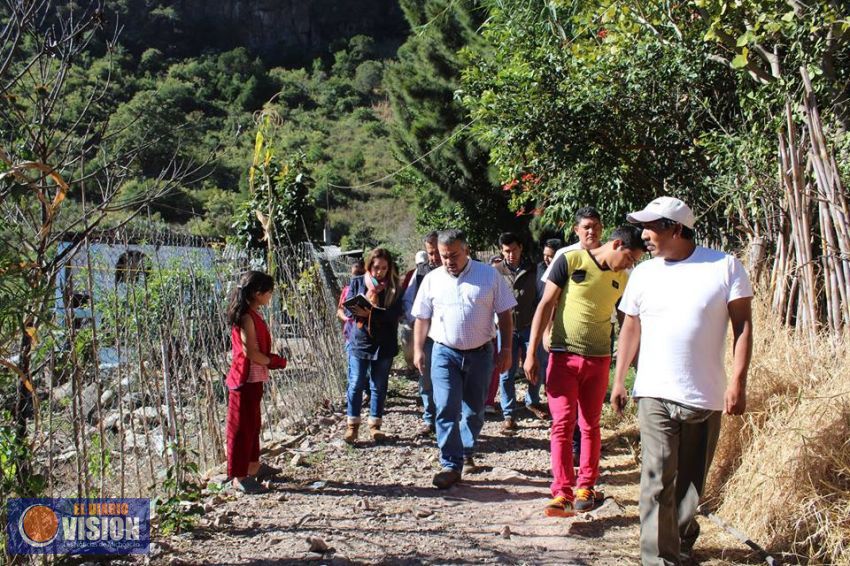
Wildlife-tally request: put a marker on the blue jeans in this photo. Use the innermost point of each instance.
(460, 381)
(426, 390)
(506, 379)
(372, 373)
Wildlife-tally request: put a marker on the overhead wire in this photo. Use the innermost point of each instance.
(410, 164)
(567, 42)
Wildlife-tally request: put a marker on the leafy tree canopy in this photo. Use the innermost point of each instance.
(613, 103)
(457, 186)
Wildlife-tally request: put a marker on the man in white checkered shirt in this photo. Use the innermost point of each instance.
(455, 307)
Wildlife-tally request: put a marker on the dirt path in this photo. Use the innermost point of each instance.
(375, 504)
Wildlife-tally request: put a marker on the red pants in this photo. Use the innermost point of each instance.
(243, 428)
(574, 381)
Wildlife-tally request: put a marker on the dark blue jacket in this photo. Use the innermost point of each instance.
(382, 342)
(541, 285)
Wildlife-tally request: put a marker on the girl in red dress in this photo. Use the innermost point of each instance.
(252, 359)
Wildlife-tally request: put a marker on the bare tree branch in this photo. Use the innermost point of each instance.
(772, 59)
(668, 11)
(54, 150)
(755, 71)
(642, 20)
(752, 68)
(797, 6)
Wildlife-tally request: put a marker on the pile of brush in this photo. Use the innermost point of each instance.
(782, 472)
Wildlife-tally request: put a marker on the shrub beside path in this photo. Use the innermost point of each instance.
(335, 504)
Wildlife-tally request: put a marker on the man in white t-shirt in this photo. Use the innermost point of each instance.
(678, 308)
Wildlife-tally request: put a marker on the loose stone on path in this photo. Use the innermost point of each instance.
(375, 503)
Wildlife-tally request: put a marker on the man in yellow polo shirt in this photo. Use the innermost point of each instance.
(582, 289)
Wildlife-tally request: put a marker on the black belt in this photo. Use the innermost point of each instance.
(478, 349)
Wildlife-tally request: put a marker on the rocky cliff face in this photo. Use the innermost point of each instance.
(291, 30)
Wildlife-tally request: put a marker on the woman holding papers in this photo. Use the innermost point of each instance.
(374, 301)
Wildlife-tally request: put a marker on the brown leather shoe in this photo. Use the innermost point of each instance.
(538, 411)
(425, 430)
(351, 433)
(446, 478)
(469, 466)
(509, 427)
(376, 433)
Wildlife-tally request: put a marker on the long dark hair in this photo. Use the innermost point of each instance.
(251, 283)
(393, 283)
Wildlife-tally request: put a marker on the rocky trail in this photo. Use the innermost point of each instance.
(374, 504)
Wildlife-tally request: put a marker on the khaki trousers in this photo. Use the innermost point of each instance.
(677, 446)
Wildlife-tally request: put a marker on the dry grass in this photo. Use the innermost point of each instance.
(782, 473)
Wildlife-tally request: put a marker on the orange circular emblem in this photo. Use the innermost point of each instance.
(39, 524)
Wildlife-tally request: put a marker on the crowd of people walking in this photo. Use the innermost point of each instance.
(472, 326)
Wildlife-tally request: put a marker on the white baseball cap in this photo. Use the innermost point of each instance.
(421, 257)
(664, 207)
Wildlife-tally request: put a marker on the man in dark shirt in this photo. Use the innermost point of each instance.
(521, 275)
(550, 247)
(425, 389)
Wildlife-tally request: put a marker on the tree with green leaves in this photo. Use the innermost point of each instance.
(612, 102)
(280, 211)
(432, 128)
(337, 116)
(573, 122)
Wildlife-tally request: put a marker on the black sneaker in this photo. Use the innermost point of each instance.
(250, 486)
(446, 478)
